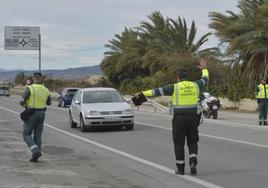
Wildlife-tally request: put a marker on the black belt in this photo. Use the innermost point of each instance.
(38, 109)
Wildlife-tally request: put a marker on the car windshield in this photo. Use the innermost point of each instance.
(102, 96)
(71, 92)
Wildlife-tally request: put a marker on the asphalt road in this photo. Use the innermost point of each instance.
(233, 152)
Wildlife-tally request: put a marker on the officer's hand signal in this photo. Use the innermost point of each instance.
(202, 63)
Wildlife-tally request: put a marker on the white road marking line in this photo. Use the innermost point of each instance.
(153, 114)
(155, 126)
(234, 124)
(209, 136)
(148, 163)
(206, 135)
(14, 112)
(238, 125)
(234, 140)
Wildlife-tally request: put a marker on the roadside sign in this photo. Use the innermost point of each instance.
(21, 38)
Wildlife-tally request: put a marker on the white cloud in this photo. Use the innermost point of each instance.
(74, 32)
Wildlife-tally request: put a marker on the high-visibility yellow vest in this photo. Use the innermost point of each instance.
(185, 94)
(38, 96)
(261, 93)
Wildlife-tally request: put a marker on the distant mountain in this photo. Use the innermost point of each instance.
(70, 73)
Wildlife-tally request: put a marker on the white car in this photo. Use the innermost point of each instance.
(100, 106)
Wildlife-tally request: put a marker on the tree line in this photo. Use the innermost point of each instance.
(57, 84)
(148, 55)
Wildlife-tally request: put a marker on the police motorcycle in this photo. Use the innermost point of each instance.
(209, 105)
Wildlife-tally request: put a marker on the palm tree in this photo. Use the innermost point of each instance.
(246, 34)
(123, 59)
(121, 43)
(145, 54)
(170, 35)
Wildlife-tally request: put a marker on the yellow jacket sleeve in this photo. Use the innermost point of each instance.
(205, 73)
(148, 93)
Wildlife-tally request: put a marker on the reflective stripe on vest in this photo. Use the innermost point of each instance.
(38, 96)
(185, 95)
(261, 93)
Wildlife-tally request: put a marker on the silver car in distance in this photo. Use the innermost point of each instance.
(100, 106)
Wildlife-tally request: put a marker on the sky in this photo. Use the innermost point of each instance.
(74, 32)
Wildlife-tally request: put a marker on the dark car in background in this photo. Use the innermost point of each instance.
(66, 96)
(4, 88)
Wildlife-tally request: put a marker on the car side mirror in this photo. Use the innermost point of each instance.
(77, 102)
(128, 100)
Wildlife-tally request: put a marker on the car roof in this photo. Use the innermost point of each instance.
(98, 89)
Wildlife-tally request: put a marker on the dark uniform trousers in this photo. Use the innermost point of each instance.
(35, 124)
(185, 126)
(263, 106)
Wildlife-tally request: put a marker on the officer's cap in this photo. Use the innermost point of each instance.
(37, 74)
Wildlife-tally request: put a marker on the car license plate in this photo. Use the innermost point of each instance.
(112, 118)
(214, 107)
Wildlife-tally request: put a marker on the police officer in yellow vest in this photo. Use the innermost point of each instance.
(261, 93)
(185, 114)
(35, 96)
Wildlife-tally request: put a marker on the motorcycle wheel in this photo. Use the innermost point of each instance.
(206, 115)
(215, 114)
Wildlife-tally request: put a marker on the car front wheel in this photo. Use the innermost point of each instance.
(71, 122)
(63, 103)
(130, 127)
(82, 124)
(60, 102)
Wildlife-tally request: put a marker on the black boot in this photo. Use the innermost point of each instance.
(35, 156)
(260, 123)
(193, 163)
(180, 169)
(265, 123)
(193, 169)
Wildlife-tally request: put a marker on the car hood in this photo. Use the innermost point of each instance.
(111, 106)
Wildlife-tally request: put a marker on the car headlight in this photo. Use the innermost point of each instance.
(127, 111)
(93, 113)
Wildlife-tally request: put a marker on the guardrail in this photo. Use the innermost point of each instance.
(156, 107)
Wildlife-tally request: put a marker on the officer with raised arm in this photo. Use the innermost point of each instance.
(185, 113)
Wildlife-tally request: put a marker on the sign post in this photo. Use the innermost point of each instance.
(39, 52)
(23, 38)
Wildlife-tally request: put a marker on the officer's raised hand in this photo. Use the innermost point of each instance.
(138, 99)
(202, 63)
